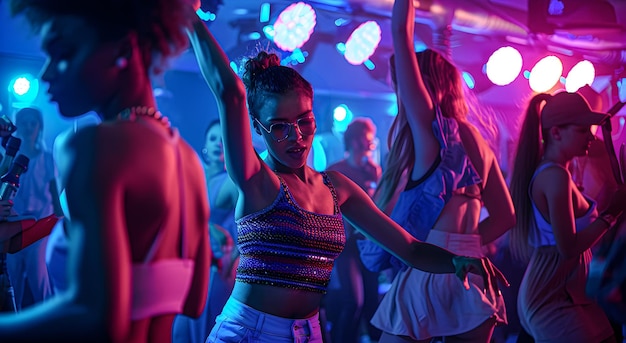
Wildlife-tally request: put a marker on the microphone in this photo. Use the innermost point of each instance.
(21, 231)
(13, 145)
(11, 180)
(4, 120)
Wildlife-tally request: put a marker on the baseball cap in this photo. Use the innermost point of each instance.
(569, 108)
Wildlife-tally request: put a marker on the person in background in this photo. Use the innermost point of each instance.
(351, 303)
(223, 232)
(451, 174)
(36, 197)
(289, 216)
(138, 249)
(557, 224)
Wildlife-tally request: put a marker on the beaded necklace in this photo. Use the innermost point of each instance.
(132, 113)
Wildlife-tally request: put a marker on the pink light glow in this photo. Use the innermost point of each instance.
(362, 43)
(294, 26)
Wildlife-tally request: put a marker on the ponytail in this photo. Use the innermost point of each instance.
(527, 158)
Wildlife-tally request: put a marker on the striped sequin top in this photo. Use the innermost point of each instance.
(285, 245)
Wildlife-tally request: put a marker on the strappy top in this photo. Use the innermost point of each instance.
(418, 207)
(161, 287)
(285, 245)
(541, 234)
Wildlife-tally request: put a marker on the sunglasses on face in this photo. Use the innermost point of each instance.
(280, 131)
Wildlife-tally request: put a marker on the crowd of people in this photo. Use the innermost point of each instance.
(269, 249)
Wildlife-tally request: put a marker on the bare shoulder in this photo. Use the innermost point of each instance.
(343, 185)
(337, 178)
(477, 148)
(73, 148)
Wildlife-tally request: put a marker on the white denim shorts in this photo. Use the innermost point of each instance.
(241, 323)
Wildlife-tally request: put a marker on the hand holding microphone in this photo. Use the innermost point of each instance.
(6, 209)
(11, 180)
(16, 232)
(11, 147)
(6, 127)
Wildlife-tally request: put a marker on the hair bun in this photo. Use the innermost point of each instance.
(257, 65)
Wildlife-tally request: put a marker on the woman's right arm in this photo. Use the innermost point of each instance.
(412, 91)
(557, 187)
(242, 162)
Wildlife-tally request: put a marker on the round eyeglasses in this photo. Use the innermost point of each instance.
(280, 131)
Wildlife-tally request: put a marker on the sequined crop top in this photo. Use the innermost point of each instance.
(285, 245)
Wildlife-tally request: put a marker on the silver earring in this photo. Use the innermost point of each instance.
(121, 62)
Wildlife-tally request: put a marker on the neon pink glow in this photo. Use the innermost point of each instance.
(294, 26)
(362, 43)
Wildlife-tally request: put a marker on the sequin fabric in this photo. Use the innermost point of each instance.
(285, 245)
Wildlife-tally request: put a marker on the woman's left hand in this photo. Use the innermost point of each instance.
(480, 266)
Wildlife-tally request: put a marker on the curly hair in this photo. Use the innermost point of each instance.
(264, 77)
(159, 24)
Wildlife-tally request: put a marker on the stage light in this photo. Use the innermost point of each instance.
(392, 110)
(621, 86)
(24, 89)
(234, 67)
(342, 116)
(362, 43)
(21, 85)
(294, 26)
(419, 46)
(583, 73)
(206, 16)
(208, 10)
(264, 13)
(504, 65)
(296, 57)
(341, 47)
(545, 74)
(469, 80)
(369, 64)
(340, 113)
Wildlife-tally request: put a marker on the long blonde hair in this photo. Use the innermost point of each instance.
(527, 158)
(443, 81)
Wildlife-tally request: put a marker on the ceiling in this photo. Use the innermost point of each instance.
(593, 30)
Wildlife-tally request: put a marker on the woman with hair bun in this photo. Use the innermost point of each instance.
(138, 246)
(290, 217)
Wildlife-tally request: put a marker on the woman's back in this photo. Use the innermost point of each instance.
(461, 213)
(150, 201)
(143, 163)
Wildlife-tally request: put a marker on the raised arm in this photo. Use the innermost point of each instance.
(241, 159)
(413, 94)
